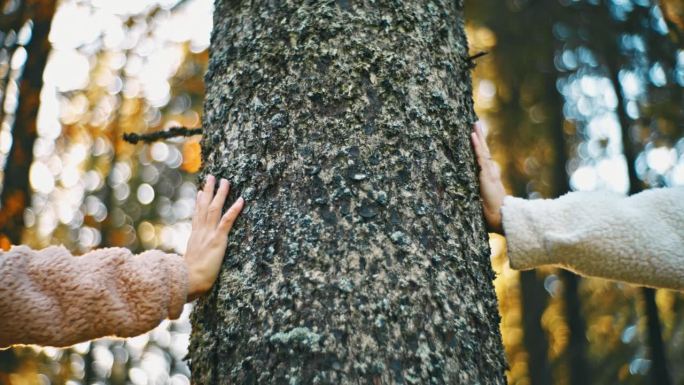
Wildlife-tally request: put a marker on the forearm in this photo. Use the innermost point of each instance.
(638, 239)
(49, 297)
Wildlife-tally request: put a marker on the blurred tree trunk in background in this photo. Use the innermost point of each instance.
(533, 296)
(527, 83)
(576, 351)
(361, 256)
(659, 371)
(616, 61)
(16, 191)
(534, 300)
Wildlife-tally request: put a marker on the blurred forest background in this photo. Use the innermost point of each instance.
(574, 94)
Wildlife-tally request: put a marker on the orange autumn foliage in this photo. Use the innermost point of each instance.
(192, 156)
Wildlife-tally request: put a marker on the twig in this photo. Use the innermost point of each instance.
(159, 135)
(471, 59)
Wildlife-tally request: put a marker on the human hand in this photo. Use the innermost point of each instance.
(209, 236)
(491, 188)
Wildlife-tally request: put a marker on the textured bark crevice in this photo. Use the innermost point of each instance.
(361, 256)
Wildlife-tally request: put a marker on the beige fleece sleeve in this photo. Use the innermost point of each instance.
(637, 239)
(50, 297)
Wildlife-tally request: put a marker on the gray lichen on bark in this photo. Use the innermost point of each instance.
(361, 255)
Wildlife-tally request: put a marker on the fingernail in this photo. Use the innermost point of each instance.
(224, 181)
(209, 177)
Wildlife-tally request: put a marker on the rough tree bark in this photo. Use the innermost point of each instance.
(361, 256)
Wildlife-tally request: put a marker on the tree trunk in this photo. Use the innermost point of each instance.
(659, 372)
(615, 60)
(361, 256)
(533, 296)
(576, 350)
(526, 73)
(533, 300)
(16, 191)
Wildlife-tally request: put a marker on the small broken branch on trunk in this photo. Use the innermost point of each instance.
(172, 132)
(471, 59)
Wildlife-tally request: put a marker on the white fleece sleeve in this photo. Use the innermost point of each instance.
(637, 239)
